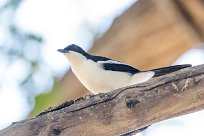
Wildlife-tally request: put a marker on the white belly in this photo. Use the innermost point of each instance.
(97, 80)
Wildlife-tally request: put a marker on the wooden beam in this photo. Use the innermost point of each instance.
(122, 110)
(193, 10)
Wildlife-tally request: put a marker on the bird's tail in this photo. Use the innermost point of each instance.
(170, 69)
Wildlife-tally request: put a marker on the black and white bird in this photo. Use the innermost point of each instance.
(100, 74)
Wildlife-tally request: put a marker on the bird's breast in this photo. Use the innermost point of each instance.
(98, 80)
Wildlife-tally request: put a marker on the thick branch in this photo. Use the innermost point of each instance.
(122, 110)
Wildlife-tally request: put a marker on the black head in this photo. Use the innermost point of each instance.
(73, 48)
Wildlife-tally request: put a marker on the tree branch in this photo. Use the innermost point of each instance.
(121, 111)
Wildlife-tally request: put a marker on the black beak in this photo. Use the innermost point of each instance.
(63, 50)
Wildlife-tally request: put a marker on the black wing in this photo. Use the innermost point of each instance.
(120, 68)
(113, 66)
(167, 70)
(97, 58)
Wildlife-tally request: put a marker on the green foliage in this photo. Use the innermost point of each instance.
(45, 100)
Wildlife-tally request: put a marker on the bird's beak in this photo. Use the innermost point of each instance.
(63, 51)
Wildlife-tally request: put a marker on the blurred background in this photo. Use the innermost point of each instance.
(145, 34)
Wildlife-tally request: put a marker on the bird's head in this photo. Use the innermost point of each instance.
(74, 54)
(72, 49)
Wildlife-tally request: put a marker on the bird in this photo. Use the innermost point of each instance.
(101, 74)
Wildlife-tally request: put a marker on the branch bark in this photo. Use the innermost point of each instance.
(122, 110)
